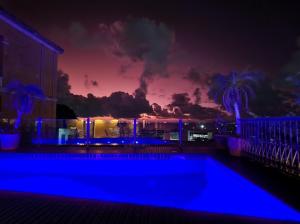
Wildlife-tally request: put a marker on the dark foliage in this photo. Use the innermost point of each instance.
(64, 112)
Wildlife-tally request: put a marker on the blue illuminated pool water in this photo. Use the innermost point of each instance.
(191, 183)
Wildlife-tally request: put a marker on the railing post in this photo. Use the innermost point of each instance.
(87, 132)
(291, 148)
(134, 131)
(180, 125)
(39, 131)
(297, 146)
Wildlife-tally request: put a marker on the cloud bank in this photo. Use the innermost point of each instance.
(137, 39)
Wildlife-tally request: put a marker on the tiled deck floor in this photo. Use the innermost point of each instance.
(27, 208)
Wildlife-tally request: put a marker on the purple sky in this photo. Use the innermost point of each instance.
(174, 46)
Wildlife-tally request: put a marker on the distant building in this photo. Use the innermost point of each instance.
(146, 127)
(30, 58)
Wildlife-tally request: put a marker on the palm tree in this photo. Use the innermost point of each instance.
(22, 97)
(233, 91)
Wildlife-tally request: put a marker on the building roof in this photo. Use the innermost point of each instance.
(28, 31)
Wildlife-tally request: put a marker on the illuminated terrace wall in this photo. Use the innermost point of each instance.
(25, 59)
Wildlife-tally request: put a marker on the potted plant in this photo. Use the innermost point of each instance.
(8, 138)
(233, 91)
(22, 100)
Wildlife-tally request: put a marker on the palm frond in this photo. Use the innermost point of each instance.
(235, 88)
(22, 96)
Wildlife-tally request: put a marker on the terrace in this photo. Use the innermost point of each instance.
(155, 170)
(147, 127)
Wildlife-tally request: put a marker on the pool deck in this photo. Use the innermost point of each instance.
(27, 208)
(32, 208)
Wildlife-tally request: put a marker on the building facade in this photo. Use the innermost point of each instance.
(29, 58)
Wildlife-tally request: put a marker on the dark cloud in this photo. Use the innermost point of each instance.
(142, 91)
(194, 76)
(138, 39)
(145, 40)
(181, 104)
(197, 95)
(82, 38)
(88, 83)
(180, 100)
(293, 66)
(94, 83)
(290, 75)
(197, 77)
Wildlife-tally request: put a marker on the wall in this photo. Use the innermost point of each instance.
(30, 62)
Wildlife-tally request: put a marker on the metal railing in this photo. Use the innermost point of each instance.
(273, 141)
(110, 131)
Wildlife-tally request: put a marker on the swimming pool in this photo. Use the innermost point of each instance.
(197, 183)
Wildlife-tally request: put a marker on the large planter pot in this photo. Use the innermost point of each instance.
(235, 145)
(9, 141)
